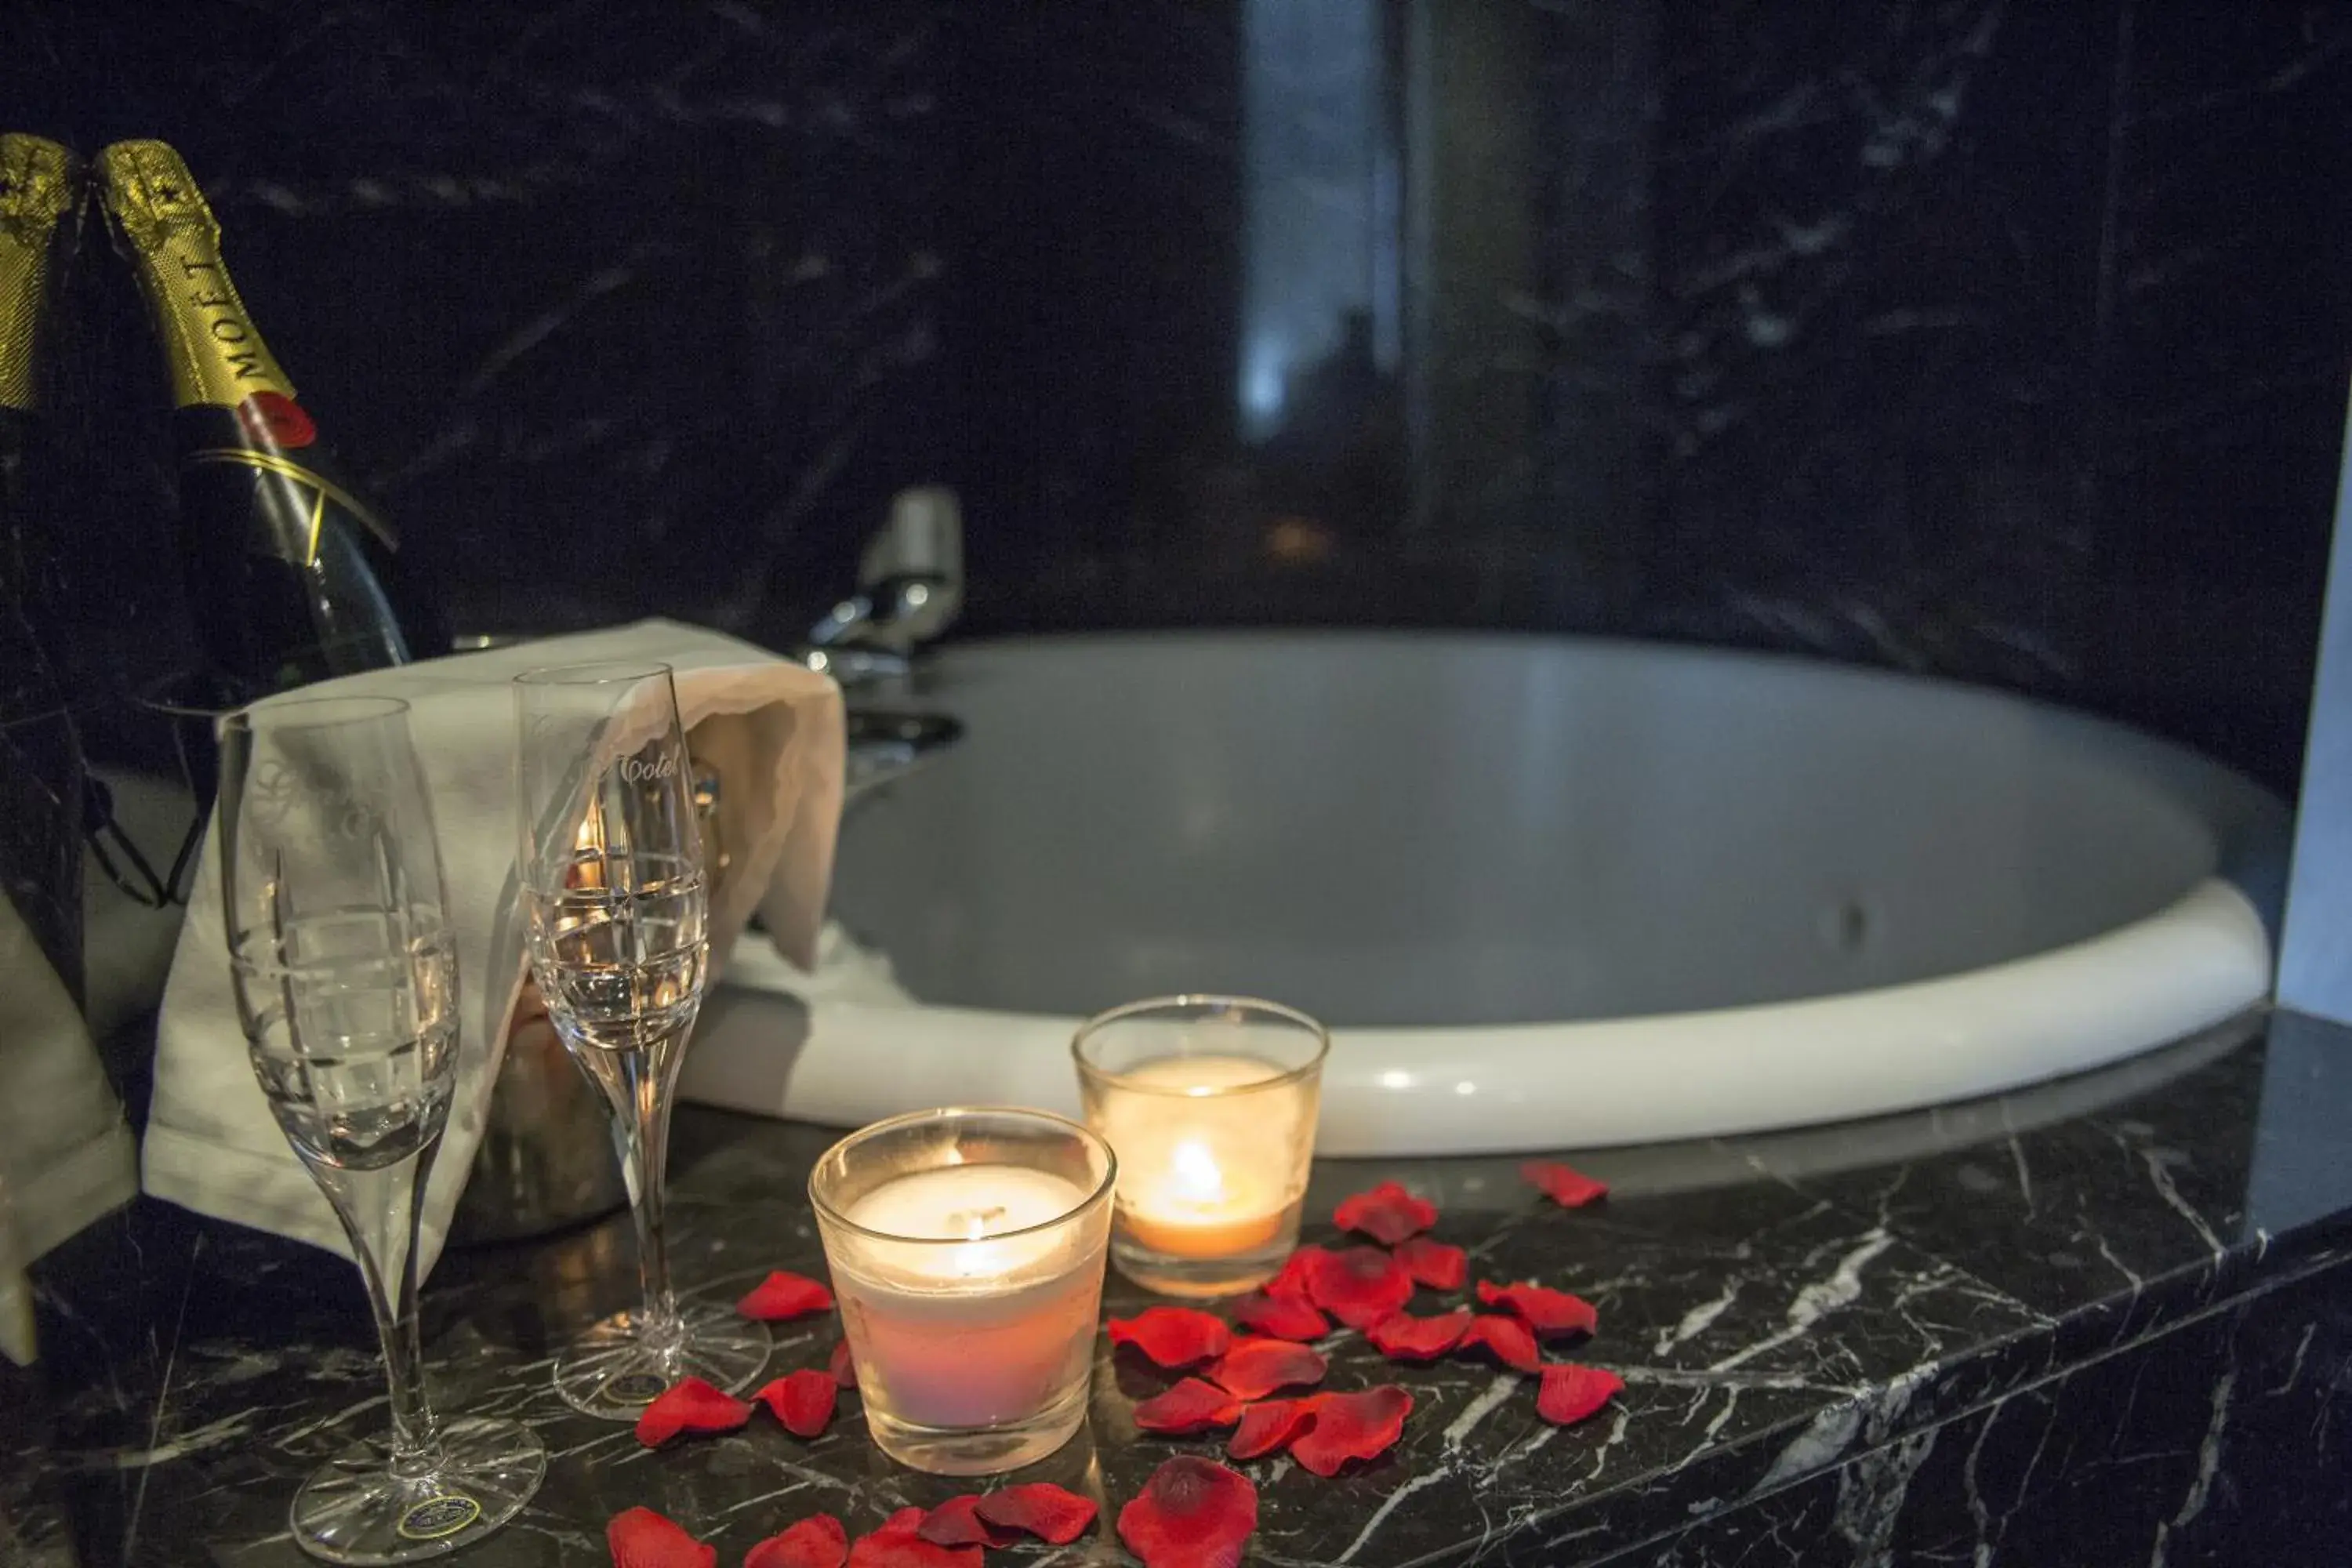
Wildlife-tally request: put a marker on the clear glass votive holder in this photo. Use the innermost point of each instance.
(1210, 1102)
(967, 1249)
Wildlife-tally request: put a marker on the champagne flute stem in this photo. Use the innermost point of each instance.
(639, 1090)
(379, 1210)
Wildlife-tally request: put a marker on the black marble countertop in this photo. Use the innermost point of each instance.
(1837, 1321)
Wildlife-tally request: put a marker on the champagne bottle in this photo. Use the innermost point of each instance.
(40, 754)
(41, 184)
(292, 577)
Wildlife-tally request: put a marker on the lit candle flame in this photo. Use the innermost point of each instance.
(1195, 1171)
(973, 1259)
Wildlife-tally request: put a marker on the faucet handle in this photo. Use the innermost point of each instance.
(856, 668)
(911, 573)
(909, 579)
(922, 540)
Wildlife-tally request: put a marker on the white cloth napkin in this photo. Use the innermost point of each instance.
(774, 730)
(66, 1156)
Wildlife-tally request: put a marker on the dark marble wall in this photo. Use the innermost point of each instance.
(619, 309)
(2011, 341)
(2003, 341)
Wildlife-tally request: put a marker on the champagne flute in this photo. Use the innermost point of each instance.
(613, 882)
(346, 982)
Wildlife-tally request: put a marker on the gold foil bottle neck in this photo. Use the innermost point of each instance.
(211, 347)
(151, 196)
(40, 182)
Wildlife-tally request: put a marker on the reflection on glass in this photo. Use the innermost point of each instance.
(1321, 237)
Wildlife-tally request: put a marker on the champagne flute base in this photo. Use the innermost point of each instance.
(355, 1510)
(619, 1366)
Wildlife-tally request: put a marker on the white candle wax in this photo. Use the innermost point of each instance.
(968, 1204)
(1200, 1077)
(980, 1331)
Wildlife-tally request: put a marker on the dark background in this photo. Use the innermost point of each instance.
(2004, 342)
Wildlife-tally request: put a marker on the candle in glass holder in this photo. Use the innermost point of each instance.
(1211, 1104)
(1203, 1182)
(967, 1253)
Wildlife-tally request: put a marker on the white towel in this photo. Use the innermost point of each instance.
(65, 1154)
(774, 730)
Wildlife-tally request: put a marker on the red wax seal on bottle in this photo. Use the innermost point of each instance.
(276, 419)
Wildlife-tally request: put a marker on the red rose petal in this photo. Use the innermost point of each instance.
(1546, 1311)
(1191, 1513)
(781, 1295)
(1434, 1264)
(1571, 1393)
(1049, 1513)
(640, 1538)
(1360, 1285)
(690, 1405)
(1254, 1368)
(844, 1365)
(1564, 1184)
(1297, 1277)
(1352, 1427)
(1513, 1343)
(817, 1542)
(802, 1400)
(1191, 1406)
(1407, 1338)
(1281, 1317)
(1173, 1336)
(957, 1523)
(1388, 1214)
(1269, 1425)
(897, 1545)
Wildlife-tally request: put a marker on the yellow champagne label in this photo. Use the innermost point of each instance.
(172, 240)
(40, 182)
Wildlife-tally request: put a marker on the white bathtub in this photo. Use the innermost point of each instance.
(1549, 892)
